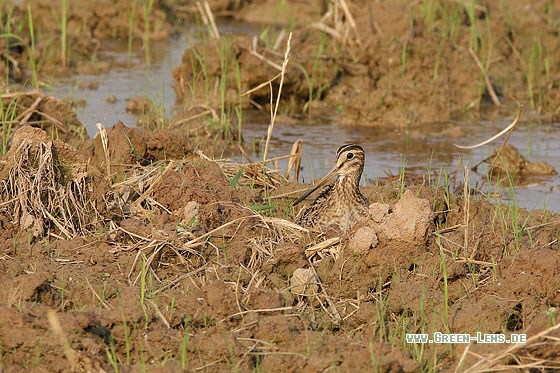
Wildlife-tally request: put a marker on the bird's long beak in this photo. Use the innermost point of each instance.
(319, 184)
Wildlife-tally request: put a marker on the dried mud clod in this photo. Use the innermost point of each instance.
(56, 117)
(118, 150)
(45, 186)
(508, 161)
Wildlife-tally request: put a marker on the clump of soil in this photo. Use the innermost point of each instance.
(508, 161)
(54, 116)
(122, 147)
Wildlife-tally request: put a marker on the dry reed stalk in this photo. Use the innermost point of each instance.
(105, 144)
(491, 362)
(59, 333)
(338, 22)
(350, 18)
(472, 261)
(268, 82)
(159, 314)
(489, 86)
(21, 93)
(466, 209)
(323, 247)
(264, 310)
(24, 117)
(279, 39)
(50, 119)
(206, 366)
(208, 18)
(106, 305)
(176, 123)
(274, 108)
(278, 223)
(295, 160)
(254, 52)
(211, 18)
(509, 128)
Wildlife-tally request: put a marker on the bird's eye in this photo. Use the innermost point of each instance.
(349, 155)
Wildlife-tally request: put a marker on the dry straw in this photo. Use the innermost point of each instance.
(509, 129)
(44, 197)
(208, 18)
(339, 23)
(518, 352)
(274, 108)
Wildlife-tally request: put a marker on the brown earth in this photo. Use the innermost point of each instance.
(88, 24)
(137, 252)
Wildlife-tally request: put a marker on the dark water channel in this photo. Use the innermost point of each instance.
(387, 152)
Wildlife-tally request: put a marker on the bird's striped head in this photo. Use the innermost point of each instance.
(350, 159)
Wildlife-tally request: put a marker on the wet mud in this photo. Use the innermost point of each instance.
(141, 249)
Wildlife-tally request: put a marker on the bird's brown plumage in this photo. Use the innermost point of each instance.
(341, 203)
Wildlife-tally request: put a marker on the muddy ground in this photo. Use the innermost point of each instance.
(135, 250)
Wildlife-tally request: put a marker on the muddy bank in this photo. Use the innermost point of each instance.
(55, 45)
(399, 65)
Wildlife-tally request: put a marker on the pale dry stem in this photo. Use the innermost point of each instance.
(494, 362)
(339, 23)
(274, 108)
(509, 128)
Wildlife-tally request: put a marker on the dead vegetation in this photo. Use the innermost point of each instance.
(46, 189)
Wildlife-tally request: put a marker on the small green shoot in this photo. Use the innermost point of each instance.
(235, 180)
(63, 33)
(34, 79)
(148, 5)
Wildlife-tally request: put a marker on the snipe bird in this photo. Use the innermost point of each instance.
(341, 203)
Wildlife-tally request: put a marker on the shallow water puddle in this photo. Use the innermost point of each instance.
(129, 77)
(387, 152)
(425, 155)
